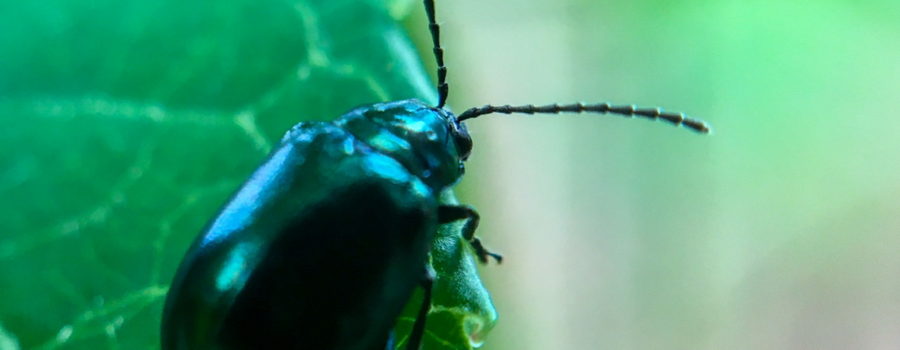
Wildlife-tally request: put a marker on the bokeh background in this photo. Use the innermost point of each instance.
(779, 231)
(125, 125)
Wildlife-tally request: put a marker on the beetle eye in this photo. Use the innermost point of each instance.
(463, 141)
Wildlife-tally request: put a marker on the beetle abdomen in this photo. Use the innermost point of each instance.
(326, 239)
(306, 293)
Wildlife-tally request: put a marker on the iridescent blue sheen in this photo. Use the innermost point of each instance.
(322, 247)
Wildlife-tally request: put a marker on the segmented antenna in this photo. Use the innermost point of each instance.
(442, 87)
(603, 108)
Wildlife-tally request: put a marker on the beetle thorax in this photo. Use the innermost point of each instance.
(423, 139)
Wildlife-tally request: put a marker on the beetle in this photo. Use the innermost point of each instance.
(325, 242)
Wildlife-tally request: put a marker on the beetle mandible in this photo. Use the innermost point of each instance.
(324, 244)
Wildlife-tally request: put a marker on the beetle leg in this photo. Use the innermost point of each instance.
(451, 213)
(418, 330)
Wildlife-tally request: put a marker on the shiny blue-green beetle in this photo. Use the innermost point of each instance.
(323, 246)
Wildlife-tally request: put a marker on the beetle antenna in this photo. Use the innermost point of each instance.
(442, 87)
(602, 108)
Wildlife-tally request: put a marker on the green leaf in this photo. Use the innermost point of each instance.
(126, 125)
(462, 312)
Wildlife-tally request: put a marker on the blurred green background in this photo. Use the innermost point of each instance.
(779, 231)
